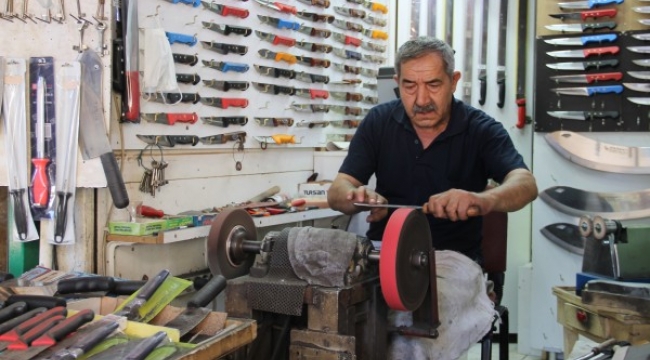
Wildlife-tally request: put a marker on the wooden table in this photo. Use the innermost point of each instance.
(598, 322)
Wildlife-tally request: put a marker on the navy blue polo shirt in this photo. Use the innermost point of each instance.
(473, 148)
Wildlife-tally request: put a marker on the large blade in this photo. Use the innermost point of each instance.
(92, 131)
(195, 311)
(566, 236)
(615, 206)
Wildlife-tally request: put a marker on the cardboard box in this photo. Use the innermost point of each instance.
(200, 218)
(178, 222)
(142, 227)
(316, 189)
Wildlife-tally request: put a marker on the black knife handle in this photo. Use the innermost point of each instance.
(152, 285)
(290, 74)
(173, 98)
(188, 78)
(145, 346)
(208, 292)
(118, 79)
(190, 60)
(114, 180)
(599, 25)
(286, 90)
(20, 217)
(85, 284)
(238, 30)
(183, 140)
(5, 276)
(602, 114)
(10, 324)
(12, 311)
(36, 301)
(483, 90)
(65, 327)
(501, 81)
(127, 287)
(90, 340)
(600, 63)
(61, 215)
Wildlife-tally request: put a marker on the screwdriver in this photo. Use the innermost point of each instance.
(40, 181)
(148, 211)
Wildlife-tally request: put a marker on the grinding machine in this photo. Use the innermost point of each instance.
(325, 293)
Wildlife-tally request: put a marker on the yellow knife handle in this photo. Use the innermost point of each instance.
(374, 6)
(284, 139)
(378, 34)
(286, 57)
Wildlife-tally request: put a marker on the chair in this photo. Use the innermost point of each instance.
(494, 245)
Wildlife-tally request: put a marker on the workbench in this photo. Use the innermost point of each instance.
(598, 323)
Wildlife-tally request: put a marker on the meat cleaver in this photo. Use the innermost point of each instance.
(92, 130)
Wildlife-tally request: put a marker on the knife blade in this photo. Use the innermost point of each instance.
(86, 341)
(223, 138)
(315, 17)
(188, 78)
(373, 20)
(583, 65)
(347, 25)
(566, 236)
(584, 115)
(274, 89)
(275, 39)
(347, 96)
(641, 9)
(315, 108)
(225, 49)
(225, 66)
(346, 110)
(279, 56)
(169, 140)
(373, 46)
(642, 62)
(313, 62)
(224, 103)
(226, 85)
(587, 4)
(589, 90)
(640, 87)
(312, 93)
(347, 54)
(350, 124)
(584, 53)
(639, 49)
(644, 75)
(131, 309)
(275, 72)
(227, 29)
(349, 12)
(225, 121)
(274, 122)
(315, 32)
(642, 36)
(349, 69)
(185, 59)
(173, 98)
(279, 23)
(584, 15)
(311, 78)
(388, 206)
(170, 118)
(320, 3)
(615, 206)
(314, 47)
(640, 100)
(582, 40)
(582, 26)
(346, 40)
(225, 10)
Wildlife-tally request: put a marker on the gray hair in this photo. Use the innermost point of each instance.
(421, 46)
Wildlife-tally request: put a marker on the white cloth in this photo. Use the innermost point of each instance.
(466, 313)
(159, 71)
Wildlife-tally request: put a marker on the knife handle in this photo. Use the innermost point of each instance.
(281, 40)
(378, 7)
(234, 11)
(598, 38)
(320, 63)
(64, 328)
(208, 292)
(132, 97)
(174, 98)
(190, 60)
(319, 78)
(349, 40)
(600, 63)
(85, 284)
(602, 114)
(183, 140)
(237, 30)
(289, 74)
(189, 118)
(601, 50)
(24, 340)
(354, 97)
(599, 25)
(13, 310)
(351, 110)
(127, 287)
(285, 8)
(36, 301)
(324, 18)
(114, 180)
(316, 94)
(483, 89)
(501, 83)
(181, 38)
(12, 323)
(284, 139)
(14, 334)
(286, 24)
(227, 66)
(188, 78)
(607, 89)
(598, 13)
(378, 34)
(152, 285)
(282, 56)
(234, 102)
(91, 339)
(20, 218)
(615, 76)
(521, 113)
(145, 346)
(321, 33)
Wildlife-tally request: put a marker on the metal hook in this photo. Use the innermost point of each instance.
(156, 14)
(266, 106)
(193, 21)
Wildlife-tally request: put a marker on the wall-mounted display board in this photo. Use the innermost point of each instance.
(297, 73)
(592, 71)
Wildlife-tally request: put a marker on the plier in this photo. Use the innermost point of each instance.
(277, 6)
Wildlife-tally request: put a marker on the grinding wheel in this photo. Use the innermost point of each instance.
(403, 275)
(227, 233)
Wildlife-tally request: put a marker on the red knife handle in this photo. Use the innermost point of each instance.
(601, 50)
(286, 8)
(23, 341)
(315, 94)
(132, 111)
(65, 327)
(521, 113)
(598, 13)
(234, 11)
(148, 211)
(15, 333)
(281, 40)
(349, 40)
(189, 118)
(40, 182)
(235, 102)
(604, 76)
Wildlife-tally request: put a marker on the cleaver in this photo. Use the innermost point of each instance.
(92, 131)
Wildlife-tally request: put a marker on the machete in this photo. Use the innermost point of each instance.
(615, 206)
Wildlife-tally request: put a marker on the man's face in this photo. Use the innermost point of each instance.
(426, 90)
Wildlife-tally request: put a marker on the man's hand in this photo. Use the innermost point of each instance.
(368, 196)
(346, 190)
(457, 205)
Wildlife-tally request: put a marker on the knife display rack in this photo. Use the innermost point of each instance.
(633, 117)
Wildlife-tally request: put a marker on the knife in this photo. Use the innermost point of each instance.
(188, 78)
(279, 23)
(584, 15)
(587, 4)
(311, 78)
(275, 72)
(346, 110)
(582, 40)
(584, 115)
(347, 54)
(642, 37)
(312, 93)
(278, 6)
(274, 122)
(644, 75)
(375, 6)
(312, 31)
(11, 311)
(225, 121)
(172, 98)
(87, 341)
(347, 96)
(349, 12)
(589, 90)
(566, 236)
(227, 29)
(226, 85)
(274, 89)
(225, 49)
(615, 206)
(348, 68)
(131, 309)
(582, 26)
(225, 66)
(640, 87)
(313, 62)
(642, 62)
(314, 47)
(315, 108)
(373, 46)
(14, 334)
(173, 38)
(35, 331)
(388, 206)
(279, 56)
(584, 53)
(190, 60)
(275, 39)
(346, 40)
(347, 82)
(641, 9)
(136, 349)
(372, 20)
(313, 124)
(314, 16)
(224, 103)
(169, 140)
(223, 138)
(170, 118)
(639, 49)
(375, 34)
(225, 10)
(583, 65)
(374, 58)
(640, 100)
(320, 3)
(350, 124)
(347, 25)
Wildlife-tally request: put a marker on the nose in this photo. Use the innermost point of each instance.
(421, 96)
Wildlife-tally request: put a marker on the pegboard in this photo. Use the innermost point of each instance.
(184, 19)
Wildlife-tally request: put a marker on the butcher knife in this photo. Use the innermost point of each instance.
(195, 310)
(566, 236)
(92, 131)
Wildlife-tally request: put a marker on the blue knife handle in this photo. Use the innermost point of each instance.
(194, 3)
(285, 24)
(617, 89)
(598, 38)
(181, 38)
(594, 3)
(227, 66)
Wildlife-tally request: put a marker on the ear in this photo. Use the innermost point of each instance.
(396, 78)
(454, 79)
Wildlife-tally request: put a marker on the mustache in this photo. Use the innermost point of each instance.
(425, 109)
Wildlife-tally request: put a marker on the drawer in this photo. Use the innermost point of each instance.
(583, 320)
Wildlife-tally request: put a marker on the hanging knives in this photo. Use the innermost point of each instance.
(225, 10)
(315, 108)
(349, 12)
(173, 38)
(279, 56)
(225, 49)
(350, 124)
(274, 89)
(346, 40)
(582, 26)
(347, 25)
(279, 23)
(274, 122)
(375, 34)
(315, 32)
(275, 72)
(172, 98)
(582, 40)
(346, 110)
(226, 85)
(312, 93)
(313, 62)
(320, 3)
(347, 54)
(224, 103)
(346, 96)
(190, 60)
(170, 118)
(585, 115)
(227, 29)
(374, 58)
(583, 65)
(584, 15)
(188, 78)
(225, 66)
(315, 17)
(313, 47)
(373, 46)
(223, 138)
(225, 121)
(578, 5)
(588, 78)
(584, 53)
(278, 6)
(589, 90)
(311, 78)
(275, 39)
(372, 20)
(348, 68)
(312, 124)
(169, 140)
(640, 87)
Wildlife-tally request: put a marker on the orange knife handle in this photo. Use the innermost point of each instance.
(315, 94)
(284, 139)
(282, 56)
(378, 34)
(132, 111)
(40, 182)
(236, 102)
(189, 118)
(521, 113)
(281, 40)
(231, 10)
(379, 7)
(286, 8)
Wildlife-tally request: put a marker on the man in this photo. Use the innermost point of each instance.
(430, 149)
